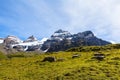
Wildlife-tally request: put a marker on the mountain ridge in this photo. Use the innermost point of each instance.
(60, 40)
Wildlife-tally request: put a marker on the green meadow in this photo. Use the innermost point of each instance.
(29, 65)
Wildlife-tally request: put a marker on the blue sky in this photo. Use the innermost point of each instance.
(41, 18)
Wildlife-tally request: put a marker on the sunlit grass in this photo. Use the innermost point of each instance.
(28, 66)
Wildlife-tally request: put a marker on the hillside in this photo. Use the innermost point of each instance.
(94, 48)
(29, 66)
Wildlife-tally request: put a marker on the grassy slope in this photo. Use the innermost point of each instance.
(30, 67)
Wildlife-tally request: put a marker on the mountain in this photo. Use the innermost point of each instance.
(11, 40)
(60, 40)
(63, 40)
(30, 44)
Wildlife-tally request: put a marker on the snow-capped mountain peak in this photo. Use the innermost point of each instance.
(60, 34)
(12, 40)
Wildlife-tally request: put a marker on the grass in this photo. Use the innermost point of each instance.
(28, 66)
(2, 56)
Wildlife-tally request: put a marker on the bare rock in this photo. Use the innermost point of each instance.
(49, 59)
(75, 56)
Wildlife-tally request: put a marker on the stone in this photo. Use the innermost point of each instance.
(75, 56)
(99, 56)
(60, 59)
(49, 59)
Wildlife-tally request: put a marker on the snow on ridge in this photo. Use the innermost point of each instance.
(43, 40)
(29, 43)
(33, 43)
(59, 34)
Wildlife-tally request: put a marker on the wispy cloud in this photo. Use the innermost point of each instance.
(100, 16)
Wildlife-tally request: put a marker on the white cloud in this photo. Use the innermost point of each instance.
(101, 16)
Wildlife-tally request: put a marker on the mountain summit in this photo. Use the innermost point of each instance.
(10, 40)
(31, 39)
(60, 35)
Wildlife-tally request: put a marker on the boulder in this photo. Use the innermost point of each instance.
(49, 59)
(75, 56)
(99, 56)
(60, 59)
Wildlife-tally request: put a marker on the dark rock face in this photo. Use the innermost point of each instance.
(86, 34)
(56, 45)
(63, 40)
(33, 48)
